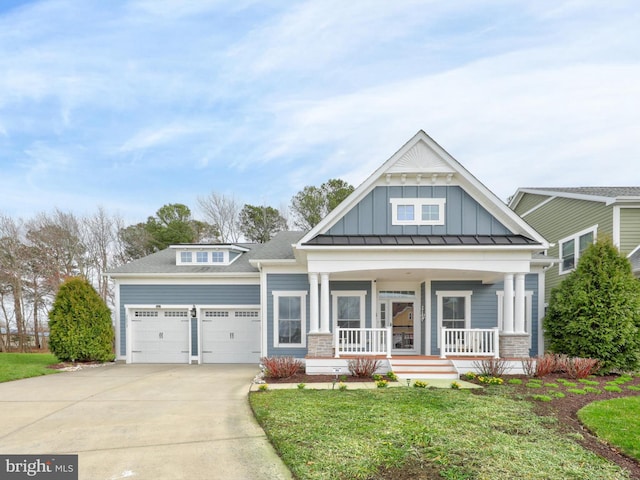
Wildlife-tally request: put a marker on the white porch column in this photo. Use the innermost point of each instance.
(324, 303)
(313, 303)
(518, 313)
(507, 308)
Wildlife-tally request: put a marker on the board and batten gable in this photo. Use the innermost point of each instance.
(171, 294)
(463, 215)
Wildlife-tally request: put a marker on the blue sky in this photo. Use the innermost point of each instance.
(133, 104)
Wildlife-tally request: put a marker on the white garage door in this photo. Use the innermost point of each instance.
(231, 336)
(160, 336)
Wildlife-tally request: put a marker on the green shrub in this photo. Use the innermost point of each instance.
(542, 398)
(392, 376)
(551, 385)
(595, 312)
(577, 391)
(80, 324)
(592, 390)
(557, 394)
(420, 384)
(514, 381)
(533, 385)
(612, 388)
(635, 388)
(382, 383)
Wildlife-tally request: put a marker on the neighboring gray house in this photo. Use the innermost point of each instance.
(420, 260)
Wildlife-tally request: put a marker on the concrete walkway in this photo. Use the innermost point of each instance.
(142, 422)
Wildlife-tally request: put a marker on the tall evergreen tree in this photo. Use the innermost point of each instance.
(80, 324)
(595, 311)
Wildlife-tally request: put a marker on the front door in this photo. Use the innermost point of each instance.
(400, 316)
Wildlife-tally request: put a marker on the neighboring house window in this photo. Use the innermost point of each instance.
(289, 313)
(202, 257)
(348, 309)
(185, 257)
(572, 248)
(217, 257)
(454, 309)
(417, 211)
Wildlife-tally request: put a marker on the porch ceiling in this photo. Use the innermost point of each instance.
(418, 275)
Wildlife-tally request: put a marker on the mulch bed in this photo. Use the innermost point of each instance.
(564, 409)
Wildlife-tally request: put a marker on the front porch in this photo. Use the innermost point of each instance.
(460, 350)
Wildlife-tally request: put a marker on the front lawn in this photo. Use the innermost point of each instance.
(385, 433)
(14, 366)
(617, 421)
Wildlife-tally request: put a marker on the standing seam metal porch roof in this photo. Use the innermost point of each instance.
(420, 240)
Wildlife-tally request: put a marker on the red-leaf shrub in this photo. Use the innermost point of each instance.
(363, 366)
(545, 365)
(280, 367)
(581, 367)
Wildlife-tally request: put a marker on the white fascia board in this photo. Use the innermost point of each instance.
(166, 280)
(506, 262)
(210, 246)
(284, 269)
(626, 200)
(576, 196)
(256, 262)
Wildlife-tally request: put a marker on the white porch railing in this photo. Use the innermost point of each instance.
(362, 341)
(469, 342)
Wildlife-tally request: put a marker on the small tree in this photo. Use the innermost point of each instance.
(595, 312)
(80, 324)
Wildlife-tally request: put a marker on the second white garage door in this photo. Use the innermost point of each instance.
(231, 336)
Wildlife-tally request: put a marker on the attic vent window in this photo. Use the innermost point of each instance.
(417, 211)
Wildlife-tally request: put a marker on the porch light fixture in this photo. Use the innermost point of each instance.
(193, 312)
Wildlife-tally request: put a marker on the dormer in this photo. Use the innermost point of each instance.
(207, 255)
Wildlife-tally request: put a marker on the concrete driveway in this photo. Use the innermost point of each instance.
(142, 422)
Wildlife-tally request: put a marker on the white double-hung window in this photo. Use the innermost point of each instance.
(417, 211)
(571, 248)
(289, 313)
(348, 308)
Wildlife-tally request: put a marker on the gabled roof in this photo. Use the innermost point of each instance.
(422, 155)
(607, 195)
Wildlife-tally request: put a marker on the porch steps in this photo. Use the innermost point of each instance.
(423, 368)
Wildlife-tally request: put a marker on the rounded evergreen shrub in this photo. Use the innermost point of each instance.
(80, 324)
(595, 311)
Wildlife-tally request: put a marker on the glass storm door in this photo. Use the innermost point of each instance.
(400, 316)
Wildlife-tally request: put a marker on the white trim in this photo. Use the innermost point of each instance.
(541, 204)
(335, 294)
(541, 309)
(440, 294)
(417, 204)
(576, 248)
(426, 321)
(302, 295)
(616, 225)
